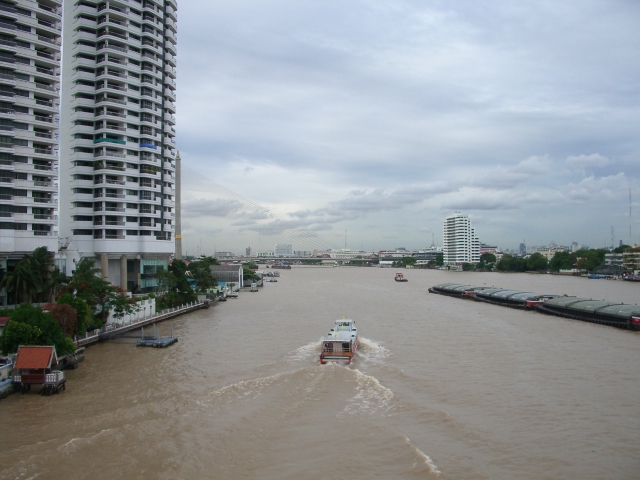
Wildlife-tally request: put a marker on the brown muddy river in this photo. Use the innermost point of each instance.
(439, 388)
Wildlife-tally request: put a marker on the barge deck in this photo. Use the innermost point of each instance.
(613, 314)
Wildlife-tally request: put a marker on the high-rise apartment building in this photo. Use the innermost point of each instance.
(460, 244)
(283, 250)
(117, 149)
(29, 99)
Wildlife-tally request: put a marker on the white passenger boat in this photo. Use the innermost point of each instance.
(341, 343)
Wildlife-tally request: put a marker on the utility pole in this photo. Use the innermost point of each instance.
(613, 241)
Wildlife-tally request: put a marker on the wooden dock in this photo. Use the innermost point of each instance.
(114, 330)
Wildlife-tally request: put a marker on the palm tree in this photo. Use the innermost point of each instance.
(41, 265)
(21, 281)
(56, 282)
(85, 272)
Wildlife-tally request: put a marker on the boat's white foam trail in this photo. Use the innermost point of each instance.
(372, 397)
(425, 458)
(309, 350)
(244, 388)
(373, 351)
(69, 447)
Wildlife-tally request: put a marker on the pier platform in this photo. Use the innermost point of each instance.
(161, 342)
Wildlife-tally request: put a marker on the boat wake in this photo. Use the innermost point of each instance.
(371, 396)
(372, 351)
(421, 456)
(310, 350)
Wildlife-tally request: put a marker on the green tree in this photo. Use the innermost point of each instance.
(487, 261)
(19, 282)
(439, 259)
(84, 315)
(100, 295)
(67, 318)
(178, 291)
(590, 259)
(509, 263)
(120, 304)
(201, 271)
(57, 281)
(85, 272)
(41, 265)
(246, 273)
(487, 258)
(50, 331)
(563, 260)
(537, 262)
(107, 297)
(16, 334)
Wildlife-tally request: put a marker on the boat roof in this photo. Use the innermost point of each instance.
(345, 320)
(345, 330)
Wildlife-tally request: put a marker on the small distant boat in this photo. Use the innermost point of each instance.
(341, 343)
(400, 278)
(594, 276)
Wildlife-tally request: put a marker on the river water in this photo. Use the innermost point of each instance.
(439, 388)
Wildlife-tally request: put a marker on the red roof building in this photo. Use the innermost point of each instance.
(33, 367)
(32, 357)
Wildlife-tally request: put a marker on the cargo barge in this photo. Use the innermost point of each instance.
(497, 296)
(614, 314)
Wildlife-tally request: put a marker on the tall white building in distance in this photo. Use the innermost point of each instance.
(283, 250)
(117, 137)
(460, 244)
(29, 99)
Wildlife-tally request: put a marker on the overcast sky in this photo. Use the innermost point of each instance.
(383, 117)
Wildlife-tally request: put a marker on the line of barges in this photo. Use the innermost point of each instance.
(614, 314)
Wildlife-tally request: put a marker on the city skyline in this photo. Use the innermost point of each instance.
(314, 124)
(384, 119)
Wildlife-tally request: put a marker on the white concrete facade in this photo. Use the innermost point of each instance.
(30, 35)
(283, 250)
(460, 244)
(117, 151)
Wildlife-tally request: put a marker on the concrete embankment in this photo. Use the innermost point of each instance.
(115, 329)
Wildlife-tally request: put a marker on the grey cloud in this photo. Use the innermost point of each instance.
(218, 207)
(408, 104)
(593, 160)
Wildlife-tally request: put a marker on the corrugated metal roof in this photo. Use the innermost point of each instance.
(490, 291)
(621, 310)
(453, 287)
(463, 288)
(525, 296)
(591, 306)
(505, 293)
(564, 302)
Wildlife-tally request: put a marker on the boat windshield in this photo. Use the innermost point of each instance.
(344, 326)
